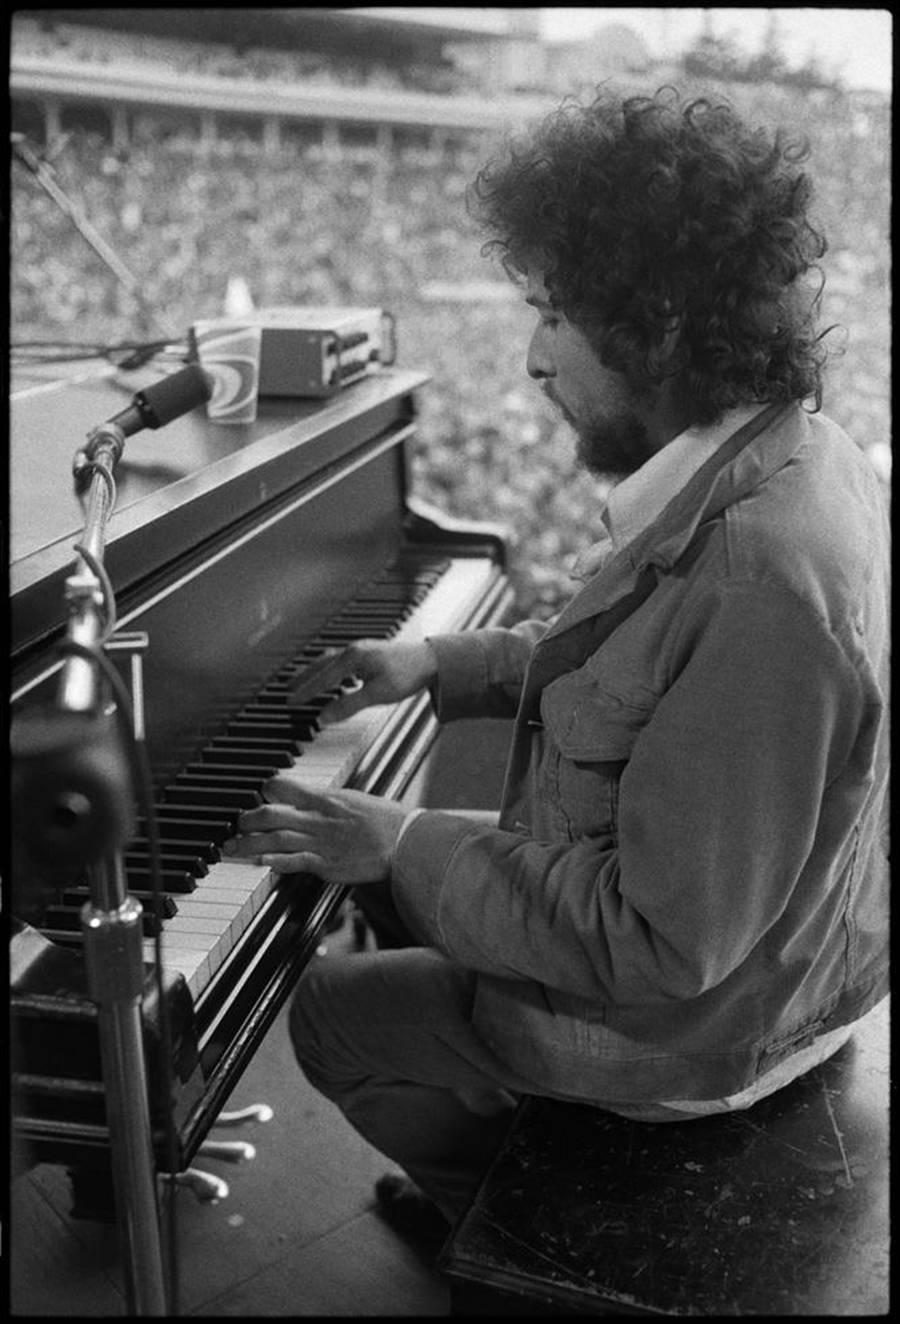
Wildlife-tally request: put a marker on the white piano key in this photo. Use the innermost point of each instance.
(209, 910)
(201, 925)
(178, 954)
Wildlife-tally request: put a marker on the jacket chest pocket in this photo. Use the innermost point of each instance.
(589, 736)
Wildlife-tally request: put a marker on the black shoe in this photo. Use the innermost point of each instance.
(412, 1215)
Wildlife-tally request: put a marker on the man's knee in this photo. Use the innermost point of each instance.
(304, 1025)
(329, 1020)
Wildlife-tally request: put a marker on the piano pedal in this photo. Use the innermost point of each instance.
(256, 1112)
(208, 1188)
(231, 1151)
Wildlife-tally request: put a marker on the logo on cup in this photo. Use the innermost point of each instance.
(231, 357)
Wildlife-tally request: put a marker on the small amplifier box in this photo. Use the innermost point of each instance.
(314, 351)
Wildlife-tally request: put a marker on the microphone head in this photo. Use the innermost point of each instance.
(173, 396)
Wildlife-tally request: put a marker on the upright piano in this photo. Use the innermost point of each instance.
(242, 553)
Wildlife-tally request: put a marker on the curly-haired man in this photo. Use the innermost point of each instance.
(683, 904)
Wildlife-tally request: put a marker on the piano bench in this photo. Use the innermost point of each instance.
(780, 1209)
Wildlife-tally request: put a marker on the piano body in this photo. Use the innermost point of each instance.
(241, 552)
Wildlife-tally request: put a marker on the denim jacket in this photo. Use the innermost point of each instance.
(689, 877)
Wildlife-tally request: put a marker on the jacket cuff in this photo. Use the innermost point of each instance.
(462, 674)
(420, 862)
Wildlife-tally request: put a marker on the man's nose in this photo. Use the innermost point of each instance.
(537, 361)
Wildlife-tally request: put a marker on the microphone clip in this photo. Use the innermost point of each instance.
(108, 438)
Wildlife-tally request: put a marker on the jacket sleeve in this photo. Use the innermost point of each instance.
(480, 672)
(719, 809)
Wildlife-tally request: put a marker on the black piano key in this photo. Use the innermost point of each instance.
(212, 797)
(296, 727)
(170, 880)
(254, 730)
(364, 616)
(253, 767)
(200, 837)
(275, 712)
(347, 632)
(198, 818)
(233, 793)
(280, 751)
(301, 731)
(74, 896)
(169, 860)
(168, 906)
(371, 609)
(368, 624)
(199, 848)
(227, 786)
(276, 696)
(207, 774)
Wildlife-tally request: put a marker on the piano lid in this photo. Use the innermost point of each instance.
(175, 485)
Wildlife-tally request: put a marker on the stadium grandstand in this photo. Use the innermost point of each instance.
(330, 78)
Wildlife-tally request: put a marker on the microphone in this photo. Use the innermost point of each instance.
(164, 401)
(153, 407)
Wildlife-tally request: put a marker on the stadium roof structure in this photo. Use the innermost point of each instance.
(400, 24)
(448, 21)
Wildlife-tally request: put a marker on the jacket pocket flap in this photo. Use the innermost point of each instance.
(591, 725)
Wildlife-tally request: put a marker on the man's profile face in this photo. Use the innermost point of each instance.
(596, 401)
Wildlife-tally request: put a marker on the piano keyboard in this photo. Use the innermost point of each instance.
(209, 902)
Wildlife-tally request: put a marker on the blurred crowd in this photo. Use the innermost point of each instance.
(298, 230)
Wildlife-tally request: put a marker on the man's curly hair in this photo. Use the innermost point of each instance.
(653, 215)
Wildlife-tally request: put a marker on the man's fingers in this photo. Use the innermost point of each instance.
(326, 673)
(281, 842)
(283, 796)
(301, 862)
(348, 704)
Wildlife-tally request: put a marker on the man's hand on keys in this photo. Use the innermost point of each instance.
(341, 836)
(369, 672)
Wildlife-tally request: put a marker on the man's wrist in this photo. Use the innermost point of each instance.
(404, 826)
(429, 662)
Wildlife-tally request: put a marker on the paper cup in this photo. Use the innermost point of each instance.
(229, 352)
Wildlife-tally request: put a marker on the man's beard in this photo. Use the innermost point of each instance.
(614, 448)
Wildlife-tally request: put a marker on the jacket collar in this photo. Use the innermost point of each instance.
(747, 458)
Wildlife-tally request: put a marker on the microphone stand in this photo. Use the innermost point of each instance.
(97, 808)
